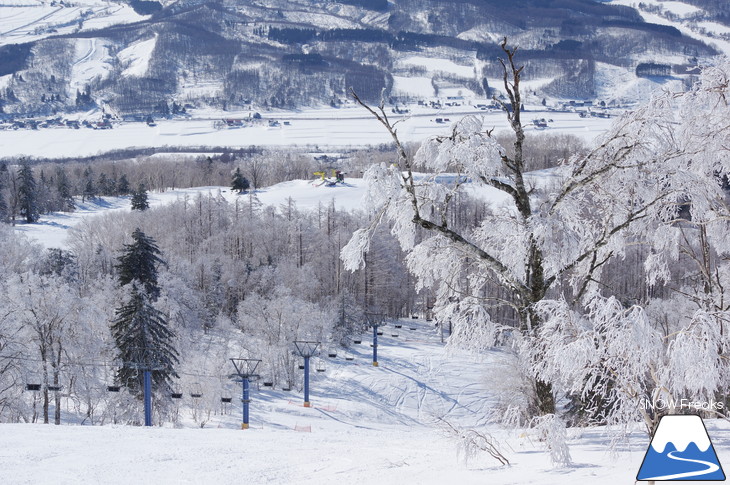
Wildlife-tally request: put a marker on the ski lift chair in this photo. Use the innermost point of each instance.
(196, 391)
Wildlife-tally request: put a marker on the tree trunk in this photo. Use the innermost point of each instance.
(544, 398)
(57, 398)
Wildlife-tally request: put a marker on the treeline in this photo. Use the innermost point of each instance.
(45, 186)
(239, 279)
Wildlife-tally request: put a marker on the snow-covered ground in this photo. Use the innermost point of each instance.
(136, 58)
(29, 20)
(681, 9)
(367, 426)
(432, 65)
(53, 229)
(346, 127)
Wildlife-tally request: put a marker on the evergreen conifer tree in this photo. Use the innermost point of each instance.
(139, 262)
(141, 332)
(3, 202)
(27, 196)
(123, 186)
(89, 191)
(64, 191)
(239, 182)
(139, 199)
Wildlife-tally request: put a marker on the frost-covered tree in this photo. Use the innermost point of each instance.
(272, 323)
(141, 332)
(542, 236)
(44, 307)
(670, 345)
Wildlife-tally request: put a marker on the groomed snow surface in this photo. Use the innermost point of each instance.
(367, 425)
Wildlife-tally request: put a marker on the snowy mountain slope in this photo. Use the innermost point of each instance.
(688, 19)
(367, 425)
(92, 63)
(136, 58)
(231, 55)
(33, 20)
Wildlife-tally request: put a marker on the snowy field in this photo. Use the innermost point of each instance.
(367, 426)
(347, 127)
(30, 20)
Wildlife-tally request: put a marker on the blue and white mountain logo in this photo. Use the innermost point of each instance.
(681, 450)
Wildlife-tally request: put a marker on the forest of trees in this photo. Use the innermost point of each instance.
(615, 272)
(232, 274)
(602, 286)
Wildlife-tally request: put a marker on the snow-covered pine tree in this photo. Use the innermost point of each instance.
(139, 199)
(139, 262)
(141, 331)
(90, 189)
(144, 341)
(239, 182)
(63, 187)
(27, 195)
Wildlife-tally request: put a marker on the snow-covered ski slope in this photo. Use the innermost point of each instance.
(367, 426)
(53, 230)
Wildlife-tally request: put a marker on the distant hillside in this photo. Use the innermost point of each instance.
(273, 53)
